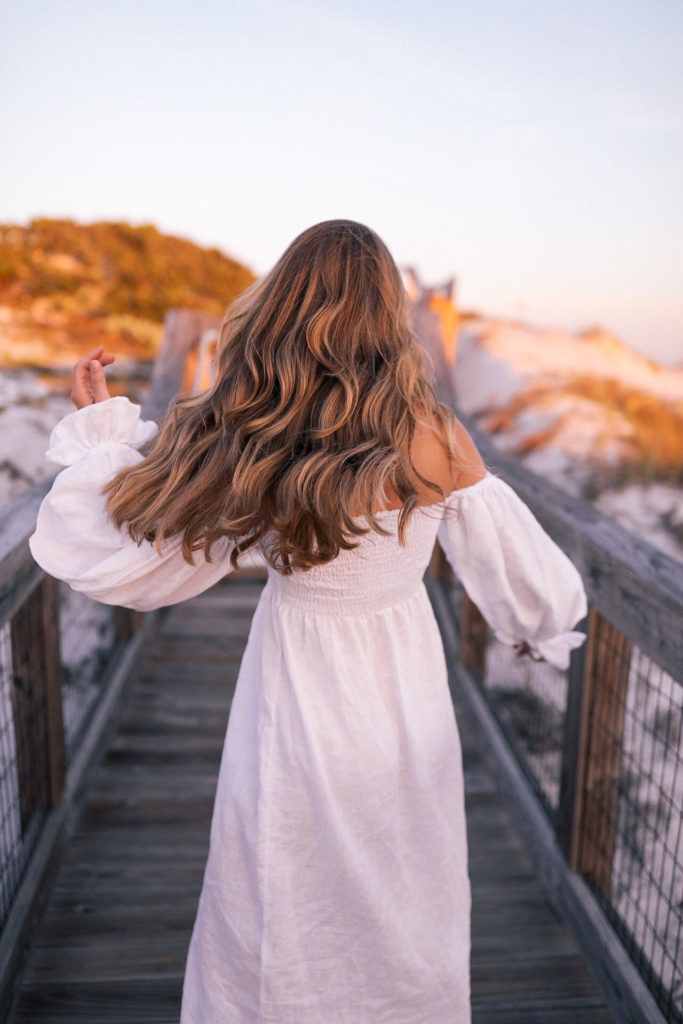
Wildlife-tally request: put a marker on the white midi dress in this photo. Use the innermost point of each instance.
(336, 889)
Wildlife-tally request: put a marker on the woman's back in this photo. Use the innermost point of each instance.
(336, 888)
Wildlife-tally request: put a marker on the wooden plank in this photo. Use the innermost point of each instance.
(153, 1000)
(124, 958)
(582, 1011)
(563, 979)
(87, 923)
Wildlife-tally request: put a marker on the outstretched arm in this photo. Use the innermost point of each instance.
(75, 540)
(521, 581)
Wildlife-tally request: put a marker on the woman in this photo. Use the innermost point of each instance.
(336, 889)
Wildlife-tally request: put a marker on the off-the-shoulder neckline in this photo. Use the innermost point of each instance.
(478, 485)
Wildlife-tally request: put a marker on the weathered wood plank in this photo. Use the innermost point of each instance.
(555, 980)
(581, 1011)
(152, 1000)
(124, 958)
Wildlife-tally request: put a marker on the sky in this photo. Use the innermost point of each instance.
(531, 148)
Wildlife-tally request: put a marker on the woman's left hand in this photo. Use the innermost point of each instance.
(89, 383)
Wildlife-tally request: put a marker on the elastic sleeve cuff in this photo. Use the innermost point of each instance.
(116, 421)
(555, 651)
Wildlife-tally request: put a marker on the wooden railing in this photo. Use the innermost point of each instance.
(51, 729)
(615, 818)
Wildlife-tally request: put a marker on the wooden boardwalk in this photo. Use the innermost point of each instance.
(112, 943)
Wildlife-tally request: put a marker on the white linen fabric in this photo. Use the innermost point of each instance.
(336, 889)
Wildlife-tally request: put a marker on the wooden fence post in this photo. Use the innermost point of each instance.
(473, 631)
(589, 803)
(37, 700)
(573, 755)
(473, 628)
(173, 369)
(439, 566)
(126, 622)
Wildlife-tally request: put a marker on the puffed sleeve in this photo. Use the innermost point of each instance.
(76, 541)
(522, 582)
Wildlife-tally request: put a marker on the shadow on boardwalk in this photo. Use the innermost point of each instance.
(111, 947)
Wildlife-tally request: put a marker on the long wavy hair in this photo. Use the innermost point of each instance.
(308, 426)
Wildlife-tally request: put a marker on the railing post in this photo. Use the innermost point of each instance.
(173, 369)
(573, 755)
(473, 628)
(37, 700)
(439, 566)
(473, 631)
(589, 801)
(127, 622)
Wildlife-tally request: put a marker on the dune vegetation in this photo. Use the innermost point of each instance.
(65, 285)
(640, 439)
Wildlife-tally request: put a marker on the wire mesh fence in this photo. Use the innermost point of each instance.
(17, 837)
(87, 639)
(642, 842)
(631, 825)
(530, 701)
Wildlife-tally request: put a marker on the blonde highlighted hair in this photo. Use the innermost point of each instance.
(308, 427)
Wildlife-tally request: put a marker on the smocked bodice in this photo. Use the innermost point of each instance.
(376, 574)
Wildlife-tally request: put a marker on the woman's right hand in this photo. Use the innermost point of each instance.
(89, 383)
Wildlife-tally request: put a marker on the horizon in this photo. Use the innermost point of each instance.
(511, 149)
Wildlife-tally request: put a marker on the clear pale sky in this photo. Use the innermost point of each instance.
(533, 148)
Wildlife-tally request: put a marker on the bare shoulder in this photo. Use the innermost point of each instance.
(447, 456)
(469, 463)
